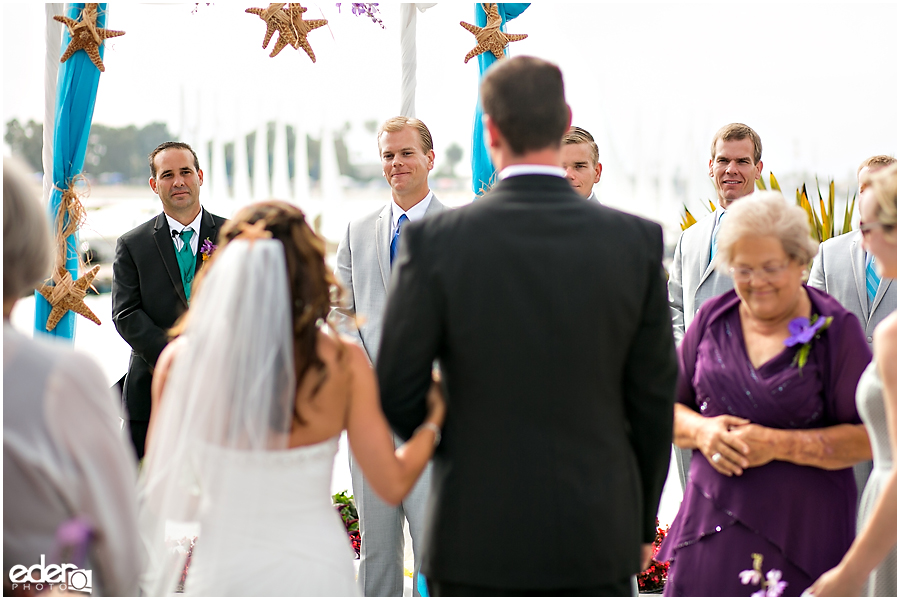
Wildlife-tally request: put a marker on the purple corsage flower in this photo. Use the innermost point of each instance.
(207, 249)
(803, 333)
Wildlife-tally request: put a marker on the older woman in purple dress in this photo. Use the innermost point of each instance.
(766, 402)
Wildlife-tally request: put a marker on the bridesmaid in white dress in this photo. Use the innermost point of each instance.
(249, 403)
(870, 565)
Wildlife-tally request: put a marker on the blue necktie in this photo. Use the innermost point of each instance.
(872, 279)
(715, 241)
(395, 241)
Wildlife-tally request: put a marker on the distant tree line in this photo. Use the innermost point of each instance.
(114, 154)
(119, 154)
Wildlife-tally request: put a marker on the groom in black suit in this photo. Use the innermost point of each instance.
(549, 319)
(153, 270)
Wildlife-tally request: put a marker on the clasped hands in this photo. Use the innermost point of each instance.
(732, 444)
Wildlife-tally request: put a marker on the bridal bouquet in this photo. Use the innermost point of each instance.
(347, 509)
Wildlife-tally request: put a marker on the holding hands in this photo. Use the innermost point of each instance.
(724, 450)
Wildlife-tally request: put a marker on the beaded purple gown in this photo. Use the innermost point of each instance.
(801, 519)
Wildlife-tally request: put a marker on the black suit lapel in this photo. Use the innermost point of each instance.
(208, 230)
(167, 252)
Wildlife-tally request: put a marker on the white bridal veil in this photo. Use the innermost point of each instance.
(230, 391)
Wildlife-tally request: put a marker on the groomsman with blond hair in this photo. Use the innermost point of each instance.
(365, 265)
(581, 160)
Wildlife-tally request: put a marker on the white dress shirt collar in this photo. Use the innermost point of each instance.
(517, 170)
(178, 228)
(413, 214)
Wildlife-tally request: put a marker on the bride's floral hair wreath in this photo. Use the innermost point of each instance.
(312, 284)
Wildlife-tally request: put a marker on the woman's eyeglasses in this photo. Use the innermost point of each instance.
(768, 273)
(866, 228)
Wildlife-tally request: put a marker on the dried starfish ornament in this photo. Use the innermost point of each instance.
(300, 27)
(489, 37)
(256, 231)
(292, 28)
(86, 35)
(67, 295)
(276, 20)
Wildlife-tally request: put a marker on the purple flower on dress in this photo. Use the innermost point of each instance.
(803, 333)
(802, 330)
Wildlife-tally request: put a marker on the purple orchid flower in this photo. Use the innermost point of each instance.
(802, 331)
(749, 576)
(207, 248)
(775, 587)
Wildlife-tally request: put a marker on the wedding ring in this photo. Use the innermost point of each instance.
(716, 457)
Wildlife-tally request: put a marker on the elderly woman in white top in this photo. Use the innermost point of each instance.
(68, 473)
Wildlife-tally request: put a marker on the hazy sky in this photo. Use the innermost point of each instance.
(652, 82)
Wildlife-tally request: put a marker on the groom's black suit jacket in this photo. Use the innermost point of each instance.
(147, 298)
(549, 317)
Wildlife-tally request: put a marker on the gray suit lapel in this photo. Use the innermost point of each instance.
(858, 258)
(882, 290)
(704, 256)
(434, 207)
(383, 243)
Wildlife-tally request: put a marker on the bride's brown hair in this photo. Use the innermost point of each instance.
(311, 283)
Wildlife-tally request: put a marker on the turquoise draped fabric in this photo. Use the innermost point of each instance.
(482, 167)
(76, 92)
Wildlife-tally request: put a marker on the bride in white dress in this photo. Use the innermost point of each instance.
(249, 403)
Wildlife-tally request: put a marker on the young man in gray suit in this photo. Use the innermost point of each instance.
(364, 259)
(844, 270)
(735, 164)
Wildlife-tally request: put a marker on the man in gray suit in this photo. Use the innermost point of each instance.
(364, 258)
(581, 160)
(844, 270)
(735, 164)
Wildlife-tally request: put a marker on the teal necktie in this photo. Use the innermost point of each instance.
(872, 279)
(187, 262)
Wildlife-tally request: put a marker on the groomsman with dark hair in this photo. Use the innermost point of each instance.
(365, 262)
(153, 271)
(559, 386)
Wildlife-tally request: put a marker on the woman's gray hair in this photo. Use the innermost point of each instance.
(27, 248)
(765, 214)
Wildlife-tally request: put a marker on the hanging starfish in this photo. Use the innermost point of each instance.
(300, 28)
(489, 37)
(276, 20)
(86, 35)
(67, 295)
(251, 233)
